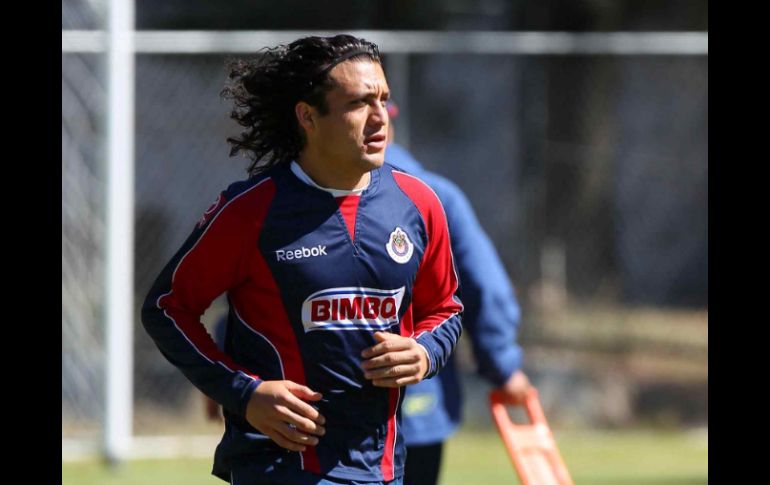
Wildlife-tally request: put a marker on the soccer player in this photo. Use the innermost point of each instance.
(338, 273)
(432, 408)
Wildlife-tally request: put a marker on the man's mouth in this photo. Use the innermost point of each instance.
(376, 141)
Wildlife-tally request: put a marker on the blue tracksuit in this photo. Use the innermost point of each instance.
(432, 408)
(309, 278)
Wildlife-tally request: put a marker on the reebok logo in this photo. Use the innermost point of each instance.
(303, 252)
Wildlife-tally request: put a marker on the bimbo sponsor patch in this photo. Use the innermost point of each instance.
(351, 308)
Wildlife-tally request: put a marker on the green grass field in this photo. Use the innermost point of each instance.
(479, 458)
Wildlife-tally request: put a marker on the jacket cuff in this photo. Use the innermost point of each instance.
(245, 394)
(427, 354)
(504, 366)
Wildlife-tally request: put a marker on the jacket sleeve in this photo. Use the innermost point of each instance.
(436, 305)
(491, 314)
(212, 260)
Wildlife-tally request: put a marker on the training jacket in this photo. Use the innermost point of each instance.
(309, 278)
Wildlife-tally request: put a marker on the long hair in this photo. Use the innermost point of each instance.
(265, 91)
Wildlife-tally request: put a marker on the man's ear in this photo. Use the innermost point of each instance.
(306, 116)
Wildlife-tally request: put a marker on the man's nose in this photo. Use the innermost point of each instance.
(379, 114)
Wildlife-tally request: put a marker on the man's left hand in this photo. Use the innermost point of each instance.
(395, 361)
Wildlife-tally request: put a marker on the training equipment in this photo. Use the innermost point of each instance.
(531, 447)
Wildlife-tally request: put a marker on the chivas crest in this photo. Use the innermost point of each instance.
(399, 247)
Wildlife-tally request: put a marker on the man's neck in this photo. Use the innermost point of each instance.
(330, 176)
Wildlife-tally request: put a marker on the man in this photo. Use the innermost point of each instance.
(338, 272)
(432, 408)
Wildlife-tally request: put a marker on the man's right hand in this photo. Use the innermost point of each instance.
(516, 388)
(278, 410)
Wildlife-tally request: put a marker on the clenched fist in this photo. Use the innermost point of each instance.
(395, 361)
(278, 410)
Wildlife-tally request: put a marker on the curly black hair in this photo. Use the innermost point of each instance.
(265, 91)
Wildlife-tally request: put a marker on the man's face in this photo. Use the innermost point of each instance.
(354, 132)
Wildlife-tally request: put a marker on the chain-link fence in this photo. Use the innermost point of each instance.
(589, 173)
(82, 245)
(83, 110)
(182, 165)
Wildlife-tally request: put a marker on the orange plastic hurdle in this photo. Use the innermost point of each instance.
(531, 447)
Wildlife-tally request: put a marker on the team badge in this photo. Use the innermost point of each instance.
(399, 247)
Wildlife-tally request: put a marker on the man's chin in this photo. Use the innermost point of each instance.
(374, 160)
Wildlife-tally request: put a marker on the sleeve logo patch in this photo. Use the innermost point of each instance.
(213, 209)
(399, 247)
(418, 403)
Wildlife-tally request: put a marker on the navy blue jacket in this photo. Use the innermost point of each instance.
(433, 408)
(309, 278)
